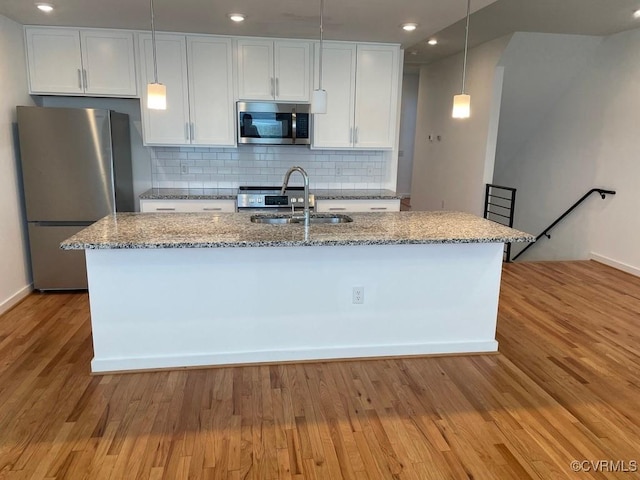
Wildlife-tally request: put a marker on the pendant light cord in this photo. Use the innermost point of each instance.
(321, 39)
(153, 42)
(466, 46)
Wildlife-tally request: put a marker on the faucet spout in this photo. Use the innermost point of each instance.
(305, 178)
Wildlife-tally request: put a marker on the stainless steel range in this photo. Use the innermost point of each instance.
(270, 199)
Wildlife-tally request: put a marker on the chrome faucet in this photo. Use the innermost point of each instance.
(305, 177)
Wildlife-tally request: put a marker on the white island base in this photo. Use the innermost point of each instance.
(189, 307)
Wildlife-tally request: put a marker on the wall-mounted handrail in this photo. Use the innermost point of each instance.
(603, 193)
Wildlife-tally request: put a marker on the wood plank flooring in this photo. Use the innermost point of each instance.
(565, 386)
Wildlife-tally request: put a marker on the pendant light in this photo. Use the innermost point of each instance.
(156, 92)
(319, 98)
(462, 102)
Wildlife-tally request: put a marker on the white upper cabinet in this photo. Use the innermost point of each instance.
(274, 70)
(170, 126)
(362, 96)
(211, 90)
(197, 73)
(334, 129)
(376, 106)
(65, 61)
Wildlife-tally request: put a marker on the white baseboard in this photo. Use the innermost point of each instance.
(15, 298)
(615, 264)
(107, 365)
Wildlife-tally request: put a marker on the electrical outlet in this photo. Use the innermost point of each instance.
(338, 171)
(184, 169)
(358, 295)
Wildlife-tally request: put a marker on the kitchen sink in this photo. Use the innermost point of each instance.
(315, 218)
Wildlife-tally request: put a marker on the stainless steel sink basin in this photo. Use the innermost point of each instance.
(299, 219)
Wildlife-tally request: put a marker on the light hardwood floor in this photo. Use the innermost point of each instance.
(565, 386)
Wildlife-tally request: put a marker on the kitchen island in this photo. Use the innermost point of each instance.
(198, 289)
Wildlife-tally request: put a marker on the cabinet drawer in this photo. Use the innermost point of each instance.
(174, 206)
(387, 205)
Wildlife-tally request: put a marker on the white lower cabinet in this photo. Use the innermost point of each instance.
(185, 206)
(384, 205)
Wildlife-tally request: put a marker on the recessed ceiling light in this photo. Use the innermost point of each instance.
(432, 41)
(45, 7)
(636, 14)
(409, 27)
(237, 17)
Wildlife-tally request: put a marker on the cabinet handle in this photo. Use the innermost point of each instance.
(165, 209)
(336, 209)
(351, 135)
(84, 77)
(355, 139)
(378, 208)
(193, 130)
(277, 87)
(273, 87)
(186, 130)
(79, 79)
(212, 209)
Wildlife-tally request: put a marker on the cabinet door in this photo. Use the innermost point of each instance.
(292, 64)
(170, 126)
(211, 90)
(358, 205)
(334, 128)
(109, 62)
(256, 80)
(54, 60)
(181, 206)
(376, 96)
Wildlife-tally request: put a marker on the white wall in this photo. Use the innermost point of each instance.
(408, 114)
(14, 269)
(588, 139)
(450, 173)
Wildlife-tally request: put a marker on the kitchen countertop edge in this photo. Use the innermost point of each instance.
(193, 230)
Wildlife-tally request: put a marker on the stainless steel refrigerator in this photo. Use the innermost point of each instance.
(76, 168)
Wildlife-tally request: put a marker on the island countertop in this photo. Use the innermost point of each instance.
(206, 230)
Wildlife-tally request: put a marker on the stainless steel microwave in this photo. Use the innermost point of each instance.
(269, 123)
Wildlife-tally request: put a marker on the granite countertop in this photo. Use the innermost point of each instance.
(190, 194)
(207, 230)
(354, 194)
(231, 194)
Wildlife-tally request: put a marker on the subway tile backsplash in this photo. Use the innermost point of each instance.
(192, 167)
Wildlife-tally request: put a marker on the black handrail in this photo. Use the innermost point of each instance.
(603, 193)
(506, 212)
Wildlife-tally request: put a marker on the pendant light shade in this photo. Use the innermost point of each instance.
(462, 102)
(319, 98)
(156, 96)
(461, 106)
(156, 92)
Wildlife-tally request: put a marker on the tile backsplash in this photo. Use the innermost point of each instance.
(192, 167)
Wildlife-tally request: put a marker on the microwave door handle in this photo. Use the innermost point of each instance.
(293, 126)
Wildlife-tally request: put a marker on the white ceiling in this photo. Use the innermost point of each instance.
(579, 17)
(356, 20)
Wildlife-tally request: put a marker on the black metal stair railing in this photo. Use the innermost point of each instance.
(603, 193)
(499, 206)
